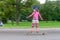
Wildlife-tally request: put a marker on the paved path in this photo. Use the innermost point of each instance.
(24, 34)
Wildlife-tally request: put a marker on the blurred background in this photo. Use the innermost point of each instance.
(15, 12)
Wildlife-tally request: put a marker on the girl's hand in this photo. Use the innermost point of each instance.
(41, 18)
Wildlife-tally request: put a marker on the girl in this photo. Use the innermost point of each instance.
(35, 21)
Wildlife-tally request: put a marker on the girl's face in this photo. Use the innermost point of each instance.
(34, 10)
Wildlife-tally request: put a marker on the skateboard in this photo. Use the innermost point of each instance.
(35, 33)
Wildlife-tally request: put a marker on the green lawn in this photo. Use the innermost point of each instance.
(42, 24)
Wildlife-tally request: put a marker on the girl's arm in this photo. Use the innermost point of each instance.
(30, 15)
(40, 16)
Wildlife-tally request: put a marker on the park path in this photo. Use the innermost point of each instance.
(24, 34)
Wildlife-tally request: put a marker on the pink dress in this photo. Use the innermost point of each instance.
(35, 15)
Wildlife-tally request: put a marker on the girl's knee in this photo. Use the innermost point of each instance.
(32, 25)
(36, 24)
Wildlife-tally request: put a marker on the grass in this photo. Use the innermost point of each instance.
(42, 24)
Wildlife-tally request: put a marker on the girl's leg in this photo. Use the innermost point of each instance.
(32, 27)
(33, 22)
(36, 27)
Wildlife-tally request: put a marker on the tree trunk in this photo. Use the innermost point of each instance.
(17, 18)
(17, 12)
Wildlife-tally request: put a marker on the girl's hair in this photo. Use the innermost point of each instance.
(37, 10)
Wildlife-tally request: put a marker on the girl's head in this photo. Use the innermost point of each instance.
(36, 10)
(35, 7)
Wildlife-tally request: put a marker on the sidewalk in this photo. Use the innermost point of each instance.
(24, 34)
(26, 30)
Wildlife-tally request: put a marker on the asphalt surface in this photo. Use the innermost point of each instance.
(25, 34)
